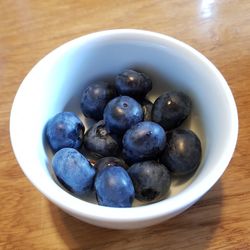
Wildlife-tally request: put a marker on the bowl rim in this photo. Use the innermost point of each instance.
(160, 209)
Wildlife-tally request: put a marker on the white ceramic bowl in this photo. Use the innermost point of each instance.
(55, 84)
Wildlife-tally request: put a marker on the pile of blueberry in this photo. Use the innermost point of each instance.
(138, 143)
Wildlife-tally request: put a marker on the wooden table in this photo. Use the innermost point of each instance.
(219, 29)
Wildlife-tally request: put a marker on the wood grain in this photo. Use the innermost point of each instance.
(219, 29)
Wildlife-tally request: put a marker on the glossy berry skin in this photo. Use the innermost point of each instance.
(171, 109)
(182, 154)
(144, 141)
(133, 83)
(109, 162)
(99, 141)
(73, 171)
(114, 187)
(121, 113)
(147, 109)
(95, 98)
(151, 180)
(65, 130)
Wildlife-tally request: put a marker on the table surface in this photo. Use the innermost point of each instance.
(219, 29)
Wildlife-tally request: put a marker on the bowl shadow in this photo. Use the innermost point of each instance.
(193, 229)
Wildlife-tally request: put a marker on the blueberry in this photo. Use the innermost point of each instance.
(114, 187)
(73, 170)
(144, 141)
(109, 162)
(98, 140)
(151, 180)
(171, 109)
(133, 83)
(95, 98)
(182, 154)
(121, 113)
(147, 109)
(64, 130)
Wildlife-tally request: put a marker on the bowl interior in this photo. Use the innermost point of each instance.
(103, 61)
(56, 82)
